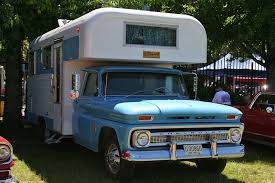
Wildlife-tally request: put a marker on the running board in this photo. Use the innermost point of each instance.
(56, 138)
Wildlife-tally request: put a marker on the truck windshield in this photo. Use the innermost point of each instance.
(143, 83)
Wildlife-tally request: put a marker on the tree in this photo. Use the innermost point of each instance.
(244, 27)
(23, 20)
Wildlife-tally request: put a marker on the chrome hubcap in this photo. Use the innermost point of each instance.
(113, 158)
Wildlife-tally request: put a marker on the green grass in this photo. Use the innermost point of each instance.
(69, 162)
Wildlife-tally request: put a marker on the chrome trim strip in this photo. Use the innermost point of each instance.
(210, 132)
(254, 100)
(188, 126)
(187, 143)
(1, 171)
(220, 125)
(253, 133)
(260, 142)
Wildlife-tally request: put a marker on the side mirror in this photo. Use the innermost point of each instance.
(74, 93)
(269, 110)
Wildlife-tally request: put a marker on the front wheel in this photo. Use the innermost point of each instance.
(212, 166)
(115, 166)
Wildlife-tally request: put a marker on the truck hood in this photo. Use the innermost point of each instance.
(176, 108)
(163, 111)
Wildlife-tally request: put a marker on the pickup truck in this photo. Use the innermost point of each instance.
(140, 114)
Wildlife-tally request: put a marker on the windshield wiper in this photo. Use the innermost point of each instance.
(162, 90)
(135, 93)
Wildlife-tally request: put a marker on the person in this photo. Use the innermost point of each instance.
(221, 96)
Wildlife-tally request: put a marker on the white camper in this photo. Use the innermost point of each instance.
(107, 36)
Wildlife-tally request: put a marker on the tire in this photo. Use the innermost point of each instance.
(212, 166)
(115, 166)
(44, 133)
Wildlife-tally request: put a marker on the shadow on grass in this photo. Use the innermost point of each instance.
(69, 162)
(258, 152)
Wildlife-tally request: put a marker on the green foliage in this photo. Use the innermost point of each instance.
(240, 26)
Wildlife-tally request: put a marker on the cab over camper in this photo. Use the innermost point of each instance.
(107, 80)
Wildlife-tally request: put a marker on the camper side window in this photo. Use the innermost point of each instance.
(46, 60)
(91, 88)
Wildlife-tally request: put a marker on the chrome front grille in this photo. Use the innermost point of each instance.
(189, 137)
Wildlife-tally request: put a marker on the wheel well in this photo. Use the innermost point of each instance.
(105, 134)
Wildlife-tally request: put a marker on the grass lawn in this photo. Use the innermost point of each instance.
(69, 162)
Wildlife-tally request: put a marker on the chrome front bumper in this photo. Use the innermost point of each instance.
(215, 152)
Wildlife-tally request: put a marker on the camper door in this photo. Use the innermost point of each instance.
(57, 87)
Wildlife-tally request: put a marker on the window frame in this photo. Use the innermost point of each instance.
(87, 74)
(102, 92)
(50, 63)
(176, 27)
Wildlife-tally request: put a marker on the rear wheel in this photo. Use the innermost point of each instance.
(115, 166)
(212, 166)
(44, 132)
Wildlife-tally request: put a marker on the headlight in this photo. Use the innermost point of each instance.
(5, 153)
(141, 138)
(236, 135)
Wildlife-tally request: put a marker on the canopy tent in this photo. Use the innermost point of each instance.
(228, 65)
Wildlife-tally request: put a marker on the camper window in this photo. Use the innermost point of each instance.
(46, 60)
(91, 88)
(151, 35)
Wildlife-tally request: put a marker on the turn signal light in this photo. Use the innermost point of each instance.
(231, 117)
(145, 118)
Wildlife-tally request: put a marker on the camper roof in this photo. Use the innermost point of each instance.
(114, 34)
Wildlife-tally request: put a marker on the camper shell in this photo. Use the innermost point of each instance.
(84, 80)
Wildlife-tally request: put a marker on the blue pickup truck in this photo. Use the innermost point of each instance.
(134, 114)
(106, 79)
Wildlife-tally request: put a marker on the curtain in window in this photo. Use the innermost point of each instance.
(149, 35)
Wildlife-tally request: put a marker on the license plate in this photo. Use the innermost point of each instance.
(192, 150)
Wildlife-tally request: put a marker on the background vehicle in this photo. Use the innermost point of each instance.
(6, 161)
(259, 118)
(106, 79)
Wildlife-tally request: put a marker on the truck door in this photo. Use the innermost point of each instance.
(57, 85)
(85, 124)
(256, 119)
(269, 122)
